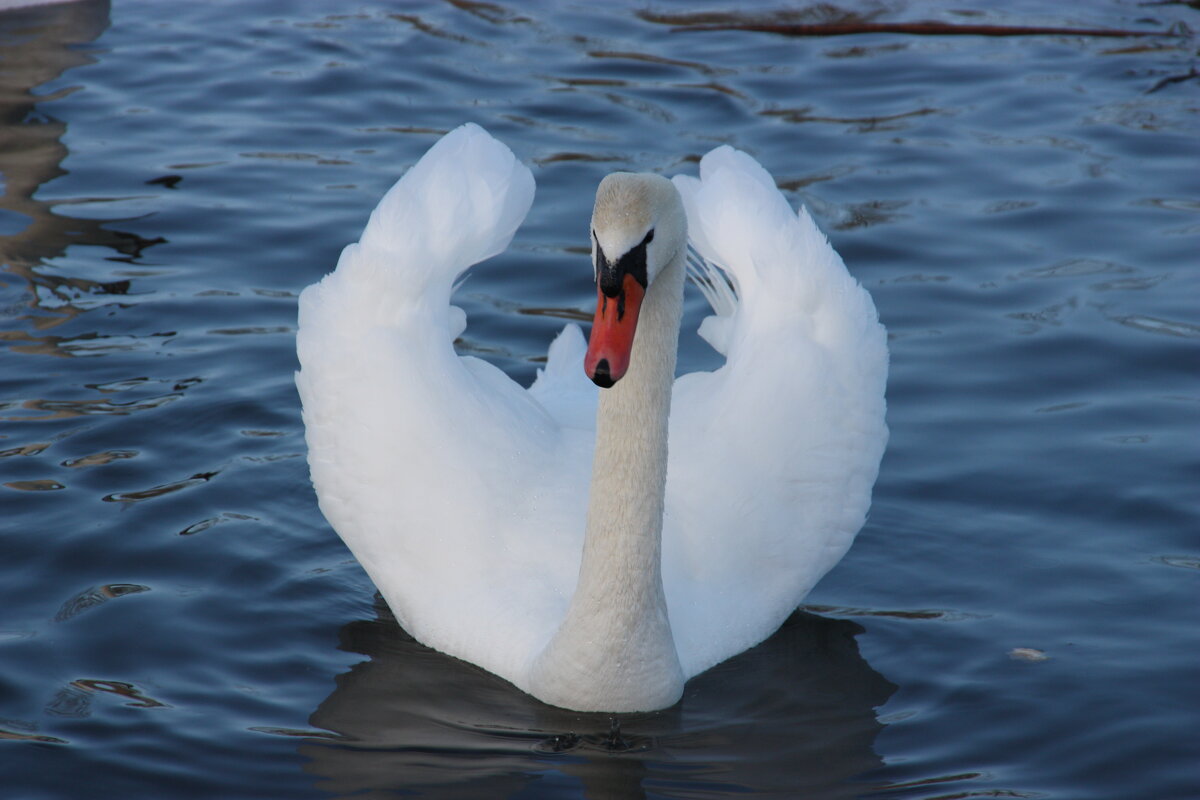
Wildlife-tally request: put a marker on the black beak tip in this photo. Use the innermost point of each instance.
(602, 376)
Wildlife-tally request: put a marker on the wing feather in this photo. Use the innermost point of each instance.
(783, 442)
(435, 468)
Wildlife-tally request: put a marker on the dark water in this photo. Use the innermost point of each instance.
(1019, 616)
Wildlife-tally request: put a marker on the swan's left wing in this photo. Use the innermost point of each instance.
(774, 454)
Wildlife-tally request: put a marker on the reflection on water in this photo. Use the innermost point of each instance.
(75, 700)
(94, 596)
(795, 715)
(36, 46)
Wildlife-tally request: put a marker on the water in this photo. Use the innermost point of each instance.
(1017, 619)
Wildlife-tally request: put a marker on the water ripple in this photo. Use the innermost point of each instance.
(95, 596)
(1157, 325)
(161, 490)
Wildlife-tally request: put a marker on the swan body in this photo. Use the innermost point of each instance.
(595, 546)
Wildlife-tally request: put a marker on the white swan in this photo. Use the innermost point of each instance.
(466, 497)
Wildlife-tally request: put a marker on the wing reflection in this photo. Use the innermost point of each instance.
(793, 716)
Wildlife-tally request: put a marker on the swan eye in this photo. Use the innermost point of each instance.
(649, 238)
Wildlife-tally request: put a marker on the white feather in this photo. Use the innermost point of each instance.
(464, 495)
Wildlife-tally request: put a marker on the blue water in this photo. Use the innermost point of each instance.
(1019, 616)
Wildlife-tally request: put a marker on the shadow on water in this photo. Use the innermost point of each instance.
(793, 715)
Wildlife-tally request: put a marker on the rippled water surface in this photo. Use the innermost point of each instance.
(1017, 619)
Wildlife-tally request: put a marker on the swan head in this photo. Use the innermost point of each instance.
(638, 227)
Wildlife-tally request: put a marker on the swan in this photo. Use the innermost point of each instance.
(596, 547)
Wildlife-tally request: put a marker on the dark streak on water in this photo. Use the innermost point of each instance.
(1019, 616)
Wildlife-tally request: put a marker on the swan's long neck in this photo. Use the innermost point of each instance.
(614, 650)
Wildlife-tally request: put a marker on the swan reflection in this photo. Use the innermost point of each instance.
(794, 715)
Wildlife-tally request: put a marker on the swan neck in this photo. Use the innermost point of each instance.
(629, 468)
(615, 644)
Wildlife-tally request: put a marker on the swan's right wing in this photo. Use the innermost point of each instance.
(434, 469)
(783, 442)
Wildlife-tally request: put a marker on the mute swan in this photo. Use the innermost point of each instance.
(466, 497)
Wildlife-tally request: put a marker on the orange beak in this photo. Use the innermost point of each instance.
(611, 342)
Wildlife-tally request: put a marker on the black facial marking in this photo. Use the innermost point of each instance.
(609, 275)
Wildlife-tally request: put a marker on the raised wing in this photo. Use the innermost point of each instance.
(785, 439)
(431, 466)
